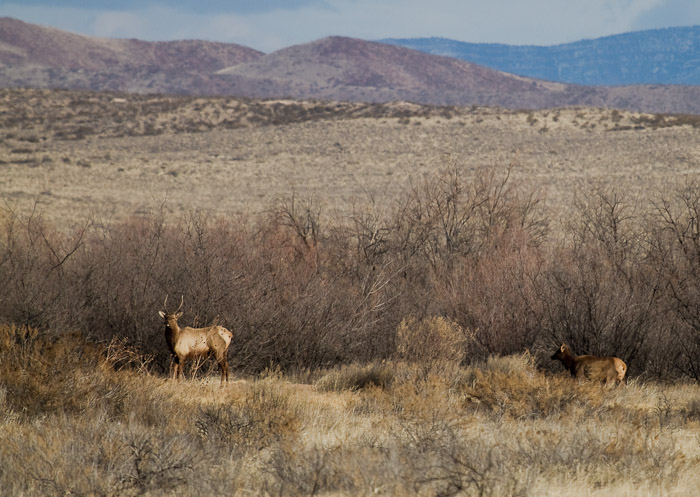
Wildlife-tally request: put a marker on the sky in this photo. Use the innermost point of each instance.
(268, 25)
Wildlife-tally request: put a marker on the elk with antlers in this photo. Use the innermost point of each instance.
(604, 369)
(186, 343)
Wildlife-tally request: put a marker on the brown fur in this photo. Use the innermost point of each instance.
(187, 343)
(609, 370)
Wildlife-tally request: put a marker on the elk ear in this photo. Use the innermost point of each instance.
(178, 315)
(161, 314)
(563, 347)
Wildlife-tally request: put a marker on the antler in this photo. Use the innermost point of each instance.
(165, 304)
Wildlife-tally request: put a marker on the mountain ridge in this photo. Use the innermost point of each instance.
(51, 47)
(654, 56)
(333, 68)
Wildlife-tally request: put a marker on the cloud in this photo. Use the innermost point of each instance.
(157, 23)
(508, 21)
(200, 6)
(670, 13)
(76, 20)
(540, 22)
(275, 24)
(114, 24)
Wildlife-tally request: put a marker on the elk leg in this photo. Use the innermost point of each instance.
(173, 367)
(223, 364)
(179, 365)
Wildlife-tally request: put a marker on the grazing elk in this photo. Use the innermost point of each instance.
(186, 343)
(604, 369)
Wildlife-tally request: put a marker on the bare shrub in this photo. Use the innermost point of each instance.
(126, 273)
(37, 269)
(288, 319)
(209, 252)
(309, 471)
(131, 267)
(304, 291)
(445, 215)
(121, 355)
(495, 295)
(302, 217)
(473, 246)
(310, 306)
(443, 459)
(369, 232)
(601, 295)
(85, 457)
(677, 254)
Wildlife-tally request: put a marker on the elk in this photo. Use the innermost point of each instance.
(604, 369)
(186, 343)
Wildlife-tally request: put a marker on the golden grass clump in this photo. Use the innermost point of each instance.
(261, 418)
(436, 343)
(356, 377)
(44, 374)
(513, 386)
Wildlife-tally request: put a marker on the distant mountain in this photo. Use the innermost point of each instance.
(38, 56)
(333, 68)
(338, 68)
(661, 56)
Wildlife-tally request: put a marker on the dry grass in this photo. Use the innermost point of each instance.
(498, 428)
(81, 154)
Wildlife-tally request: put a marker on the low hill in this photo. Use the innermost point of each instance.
(24, 43)
(43, 57)
(338, 68)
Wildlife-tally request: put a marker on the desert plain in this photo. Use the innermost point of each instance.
(73, 154)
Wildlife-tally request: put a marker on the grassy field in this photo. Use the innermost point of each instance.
(109, 156)
(72, 425)
(394, 286)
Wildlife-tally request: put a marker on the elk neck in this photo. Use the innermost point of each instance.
(172, 331)
(173, 326)
(568, 360)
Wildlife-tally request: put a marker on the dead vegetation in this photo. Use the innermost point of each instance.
(498, 427)
(33, 115)
(36, 115)
(104, 155)
(398, 347)
(456, 268)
